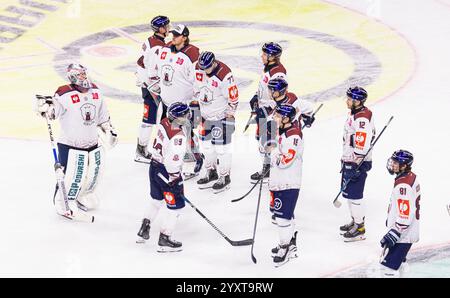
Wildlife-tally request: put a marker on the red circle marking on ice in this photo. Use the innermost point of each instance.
(106, 51)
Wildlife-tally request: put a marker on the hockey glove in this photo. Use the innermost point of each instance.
(45, 106)
(349, 171)
(308, 120)
(390, 239)
(109, 134)
(254, 103)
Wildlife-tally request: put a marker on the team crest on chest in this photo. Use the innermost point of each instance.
(88, 113)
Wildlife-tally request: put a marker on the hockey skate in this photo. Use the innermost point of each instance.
(292, 245)
(347, 227)
(206, 181)
(356, 233)
(165, 244)
(222, 184)
(144, 231)
(142, 154)
(255, 177)
(284, 254)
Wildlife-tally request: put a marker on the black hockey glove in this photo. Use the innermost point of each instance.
(254, 103)
(349, 171)
(308, 120)
(390, 239)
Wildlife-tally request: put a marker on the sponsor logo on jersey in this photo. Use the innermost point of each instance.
(163, 55)
(288, 157)
(199, 76)
(272, 200)
(403, 208)
(75, 98)
(169, 198)
(95, 95)
(233, 93)
(360, 140)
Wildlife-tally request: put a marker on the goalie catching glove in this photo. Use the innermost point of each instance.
(45, 106)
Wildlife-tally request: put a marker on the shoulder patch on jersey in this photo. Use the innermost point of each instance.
(294, 130)
(170, 130)
(154, 41)
(223, 70)
(140, 62)
(278, 68)
(64, 89)
(192, 52)
(364, 113)
(409, 179)
(291, 98)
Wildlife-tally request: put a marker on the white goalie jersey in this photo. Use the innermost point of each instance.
(79, 115)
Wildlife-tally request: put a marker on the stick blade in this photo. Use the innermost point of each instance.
(242, 242)
(337, 204)
(253, 259)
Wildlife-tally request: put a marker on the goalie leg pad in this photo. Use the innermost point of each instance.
(96, 160)
(76, 171)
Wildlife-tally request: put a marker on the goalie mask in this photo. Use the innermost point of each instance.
(77, 75)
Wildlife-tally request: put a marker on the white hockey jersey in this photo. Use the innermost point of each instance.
(404, 208)
(216, 93)
(146, 63)
(79, 115)
(169, 147)
(176, 70)
(270, 72)
(359, 132)
(287, 160)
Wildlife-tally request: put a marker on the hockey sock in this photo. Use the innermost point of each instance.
(357, 210)
(223, 159)
(153, 209)
(170, 221)
(145, 132)
(284, 230)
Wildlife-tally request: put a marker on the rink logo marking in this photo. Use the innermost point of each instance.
(367, 67)
(26, 17)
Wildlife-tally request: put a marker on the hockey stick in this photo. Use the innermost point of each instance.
(256, 221)
(249, 121)
(338, 204)
(68, 213)
(448, 208)
(384, 253)
(232, 242)
(315, 112)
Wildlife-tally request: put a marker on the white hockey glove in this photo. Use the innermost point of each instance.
(153, 87)
(45, 106)
(109, 135)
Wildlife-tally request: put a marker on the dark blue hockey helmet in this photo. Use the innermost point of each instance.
(286, 110)
(357, 93)
(272, 49)
(206, 60)
(179, 112)
(402, 157)
(277, 84)
(158, 22)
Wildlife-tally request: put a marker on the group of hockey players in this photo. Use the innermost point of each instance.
(193, 90)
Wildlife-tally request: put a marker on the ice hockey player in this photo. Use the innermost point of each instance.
(285, 180)
(403, 214)
(175, 66)
(149, 85)
(80, 108)
(278, 92)
(359, 132)
(262, 103)
(166, 182)
(216, 91)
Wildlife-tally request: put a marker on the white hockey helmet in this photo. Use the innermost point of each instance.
(77, 74)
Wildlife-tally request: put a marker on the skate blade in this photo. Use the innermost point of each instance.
(140, 240)
(207, 185)
(216, 191)
(164, 249)
(188, 176)
(292, 251)
(291, 256)
(142, 160)
(357, 238)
